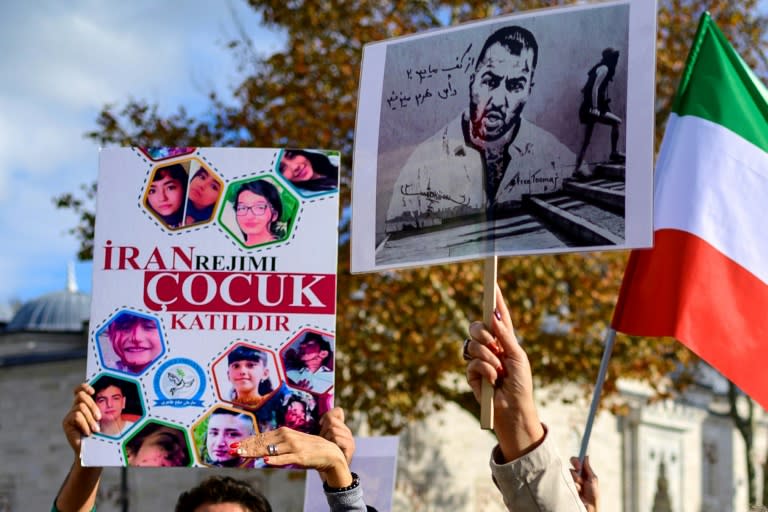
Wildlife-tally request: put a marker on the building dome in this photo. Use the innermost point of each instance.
(58, 311)
(62, 311)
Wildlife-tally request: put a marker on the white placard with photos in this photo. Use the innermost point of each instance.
(209, 323)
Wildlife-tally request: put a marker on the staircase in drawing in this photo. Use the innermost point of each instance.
(588, 210)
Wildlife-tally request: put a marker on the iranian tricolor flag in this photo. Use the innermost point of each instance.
(705, 282)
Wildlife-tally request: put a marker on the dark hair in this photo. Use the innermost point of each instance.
(173, 442)
(243, 353)
(221, 411)
(610, 59)
(321, 164)
(265, 387)
(126, 320)
(223, 489)
(106, 381)
(297, 398)
(515, 39)
(200, 214)
(234, 461)
(269, 192)
(322, 343)
(178, 173)
(127, 388)
(310, 413)
(609, 54)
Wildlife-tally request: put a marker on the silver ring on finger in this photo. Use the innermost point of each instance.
(465, 350)
(272, 450)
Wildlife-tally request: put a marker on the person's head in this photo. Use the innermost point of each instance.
(501, 82)
(135, 340)
(166, 193)
(224, 428)
(610, 60)
(109, 398)
(258, 209)
(204, 189)
(248, 372)
(222, 490)
(315, 351)
(610, 57)
(298, 165)
(296, 413)
(158, 445)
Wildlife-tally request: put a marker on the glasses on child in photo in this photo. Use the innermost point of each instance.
(257, 209)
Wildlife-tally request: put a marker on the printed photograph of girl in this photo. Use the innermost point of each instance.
(166, 193)
(204, 191)
(258, 212)
(310, 171)
(246, 377)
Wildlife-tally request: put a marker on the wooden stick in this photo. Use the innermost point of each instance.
(610, 338)
(489, 306)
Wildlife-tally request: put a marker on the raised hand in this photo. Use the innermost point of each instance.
(286, 446)
(83, 417)
(586, 483)
(333, 428)
(496, 356)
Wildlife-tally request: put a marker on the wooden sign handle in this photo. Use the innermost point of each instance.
(489, 306)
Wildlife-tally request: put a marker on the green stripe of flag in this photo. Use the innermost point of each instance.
(718, 86)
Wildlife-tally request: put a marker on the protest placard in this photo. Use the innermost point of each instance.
(214, 301)
(523, 134)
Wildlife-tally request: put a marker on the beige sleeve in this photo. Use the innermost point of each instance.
(536, 482)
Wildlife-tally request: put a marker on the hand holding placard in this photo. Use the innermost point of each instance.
(498, 358)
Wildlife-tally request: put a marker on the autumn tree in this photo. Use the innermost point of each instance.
(399, 332)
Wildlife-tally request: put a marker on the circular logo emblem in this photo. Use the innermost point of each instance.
(179, 382)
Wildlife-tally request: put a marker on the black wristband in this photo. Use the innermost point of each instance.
(333, 490)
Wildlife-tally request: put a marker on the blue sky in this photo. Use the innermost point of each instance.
(62, 61)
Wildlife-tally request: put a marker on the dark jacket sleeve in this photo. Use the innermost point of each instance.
(346, 501)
